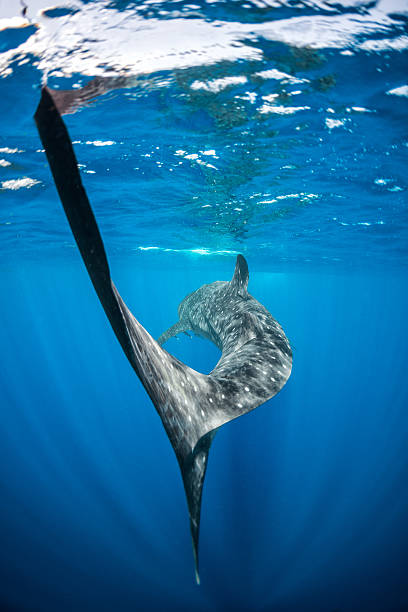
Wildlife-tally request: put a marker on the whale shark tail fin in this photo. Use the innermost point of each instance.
(177, 392)
(193, 472)
(239, 281)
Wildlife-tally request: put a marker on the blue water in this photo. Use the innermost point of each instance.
(276, 130)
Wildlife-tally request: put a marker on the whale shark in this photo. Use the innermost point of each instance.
(256, 357)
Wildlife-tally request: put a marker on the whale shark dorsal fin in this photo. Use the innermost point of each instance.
(239, 281)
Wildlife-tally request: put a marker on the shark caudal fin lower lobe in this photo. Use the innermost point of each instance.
(193, 471)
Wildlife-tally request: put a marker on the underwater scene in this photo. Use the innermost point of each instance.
(261, 143)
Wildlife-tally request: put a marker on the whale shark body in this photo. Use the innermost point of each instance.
(256, 358)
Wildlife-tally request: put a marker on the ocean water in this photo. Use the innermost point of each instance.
(275, 129)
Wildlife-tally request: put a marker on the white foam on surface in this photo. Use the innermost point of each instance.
(21, 183)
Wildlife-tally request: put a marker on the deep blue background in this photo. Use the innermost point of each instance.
(305, 500)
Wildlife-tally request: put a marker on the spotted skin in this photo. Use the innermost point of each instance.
(256, 357)
(255, 363)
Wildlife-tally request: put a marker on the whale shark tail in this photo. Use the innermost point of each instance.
(174, 388)
(193, 473)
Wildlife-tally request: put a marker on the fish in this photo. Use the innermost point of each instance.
(256, 357)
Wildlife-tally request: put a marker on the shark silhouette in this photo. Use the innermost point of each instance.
(256, 356)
